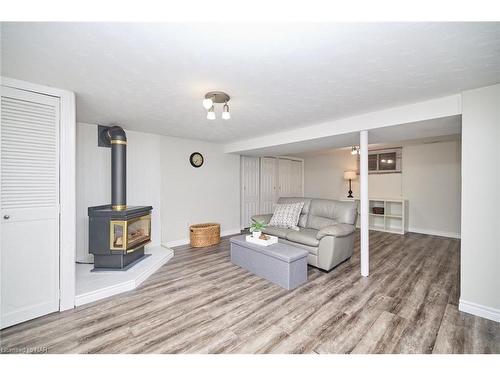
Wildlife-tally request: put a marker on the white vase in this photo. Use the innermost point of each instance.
(256, 234)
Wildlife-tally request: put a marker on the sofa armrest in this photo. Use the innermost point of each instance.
(336, 230)
(263, 218)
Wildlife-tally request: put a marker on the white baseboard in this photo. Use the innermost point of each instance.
(93, 287)
(185, 241)
(106, 292)
(432, 232)
(479, 310)
(175, 243)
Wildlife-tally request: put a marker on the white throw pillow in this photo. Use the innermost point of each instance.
(286, 215)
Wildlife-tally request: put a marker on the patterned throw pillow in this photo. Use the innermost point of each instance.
(286, 215)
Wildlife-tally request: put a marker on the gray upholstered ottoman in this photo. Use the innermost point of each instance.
(279, 263)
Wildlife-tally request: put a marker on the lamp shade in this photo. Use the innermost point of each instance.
(350, 175)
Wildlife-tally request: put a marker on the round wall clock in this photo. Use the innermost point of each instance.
(196, 159)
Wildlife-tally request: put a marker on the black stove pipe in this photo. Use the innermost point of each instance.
(118, 139)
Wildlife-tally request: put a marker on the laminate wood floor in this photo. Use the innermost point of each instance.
(201, 303)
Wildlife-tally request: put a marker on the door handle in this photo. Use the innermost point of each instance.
(6, 217)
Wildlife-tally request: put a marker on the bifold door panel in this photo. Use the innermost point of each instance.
(29, 202)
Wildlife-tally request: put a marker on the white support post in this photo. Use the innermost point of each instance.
(363, 192)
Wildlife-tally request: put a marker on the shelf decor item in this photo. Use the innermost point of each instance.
(350, 175)
(256, 228)
(196, 159)
(203, 235)
(269, 240)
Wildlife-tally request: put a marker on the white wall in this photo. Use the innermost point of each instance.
(430, 181)
(93, 179)
(480, 246)
(190, 195)
(324, 175)
(159, 174)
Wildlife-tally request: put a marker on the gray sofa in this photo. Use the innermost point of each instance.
(326, 230)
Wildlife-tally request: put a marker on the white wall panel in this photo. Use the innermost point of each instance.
(430, 181)
(190, 195)
(159, 174)
(480, 245)
(93, 176)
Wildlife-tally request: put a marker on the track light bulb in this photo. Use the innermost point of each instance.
(211, 113)
(225, 113)
(208, 103)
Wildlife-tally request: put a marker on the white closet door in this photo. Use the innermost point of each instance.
(284, 177)
(249, 189)
(268, 180)
(29, 162)
(296, 178)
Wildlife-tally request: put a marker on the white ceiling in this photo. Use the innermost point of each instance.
(152, 77)
(422, 131)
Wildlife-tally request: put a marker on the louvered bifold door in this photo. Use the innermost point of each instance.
(284, 177)
(296, 178)
(29, 204)
(268, 183)
(250, 189)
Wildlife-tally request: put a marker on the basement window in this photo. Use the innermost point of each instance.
(384, 161)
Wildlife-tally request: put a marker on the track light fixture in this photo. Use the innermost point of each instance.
(216, 97)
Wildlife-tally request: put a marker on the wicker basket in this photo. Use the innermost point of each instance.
(202, 235)
(378, 210)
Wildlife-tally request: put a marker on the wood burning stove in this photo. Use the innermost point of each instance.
(117, 232)
(117, 238)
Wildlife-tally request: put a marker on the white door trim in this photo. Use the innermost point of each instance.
(67, 176)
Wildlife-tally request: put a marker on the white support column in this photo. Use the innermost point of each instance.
(363, 196)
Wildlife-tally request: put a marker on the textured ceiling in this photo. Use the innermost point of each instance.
(419, 131)
(152, 77)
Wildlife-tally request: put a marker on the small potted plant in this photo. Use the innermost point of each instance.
(256, 228)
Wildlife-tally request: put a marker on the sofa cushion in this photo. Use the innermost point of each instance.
(325, 212)
(338, 230)
(318, 222)
(305, 207)
(304, 236)
(277, 231)
(346, 212)
(311, 249)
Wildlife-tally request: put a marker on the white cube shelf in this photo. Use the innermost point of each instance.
(393, 220)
